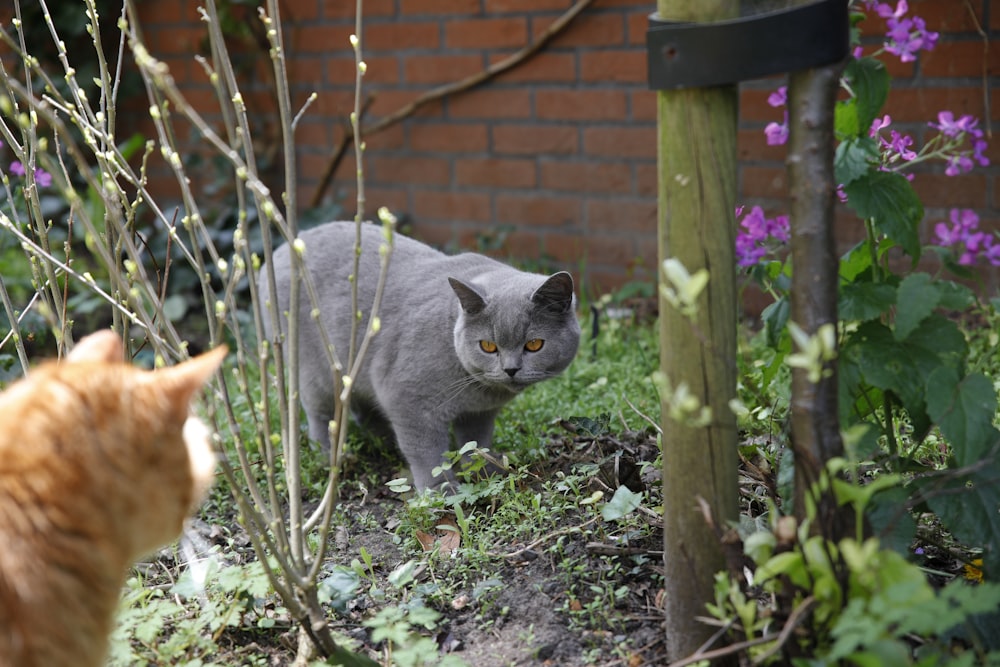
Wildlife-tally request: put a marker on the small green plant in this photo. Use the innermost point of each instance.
(917, 407)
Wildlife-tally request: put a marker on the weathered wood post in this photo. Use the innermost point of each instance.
(697, 196)
(697, 51)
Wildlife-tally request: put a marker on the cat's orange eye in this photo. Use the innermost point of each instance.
(534, 345)
(488, 346)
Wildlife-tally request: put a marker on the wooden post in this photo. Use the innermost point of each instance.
(697, 197)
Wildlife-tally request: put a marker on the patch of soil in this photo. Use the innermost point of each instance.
(529, 616)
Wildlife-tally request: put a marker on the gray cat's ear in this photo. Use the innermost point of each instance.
(472, 301)
(556, 293)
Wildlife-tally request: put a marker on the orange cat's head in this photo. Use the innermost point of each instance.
(100, 462)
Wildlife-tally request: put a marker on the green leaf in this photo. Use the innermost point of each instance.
(775, 317)
(891, 520)
(904, 367)
(964, 411)
(889, 200)
(854, 157)
(917, 298)
(968, 507)
(869, 80)
(863, 301)
(623, 503)
(845, 119)
(955, 296)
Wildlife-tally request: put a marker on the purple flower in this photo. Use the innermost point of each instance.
(777, 133)
(42, 178)
(761, 233)
(905, 36)
(898, 145)
(978, 147)
(958, 164)
(779, 97)
(886, 11)
(966, 240)
(992, 254)
(949, 127)
(878, 124)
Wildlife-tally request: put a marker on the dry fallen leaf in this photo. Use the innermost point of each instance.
(446, 537)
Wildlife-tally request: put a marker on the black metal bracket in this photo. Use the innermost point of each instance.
(692, 55)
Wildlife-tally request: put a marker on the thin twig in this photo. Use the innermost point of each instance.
(447, 89)
(987, 116)
(545, 538)
(780, 638)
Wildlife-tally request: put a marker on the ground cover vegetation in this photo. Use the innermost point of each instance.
(297, 555)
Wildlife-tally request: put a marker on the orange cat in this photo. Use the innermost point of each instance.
(100, 462)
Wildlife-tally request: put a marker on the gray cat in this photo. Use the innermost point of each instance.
(460, 337)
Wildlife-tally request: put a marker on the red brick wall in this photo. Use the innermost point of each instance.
(562, 149)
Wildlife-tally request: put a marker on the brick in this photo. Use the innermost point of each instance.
(521, 6)
(535, 139)
(632, 214)
(921, 104)
(496, 172)
(630, 142)
(380, 69)
(322, 39)
(960, 59)
(543, 67)
(332, 103)
(305, 72)
(399, 36)
(180, 39)
(586, 177)
(392, 198)
(389, 101)
(291, 13)
(507, 243)
(752, 147)
(953, 17)
(763, 182)
(753, 101)
(604, 4)
(436, 234)
(314, 133)
(491, 103)
(588, 29)
(386, 169)
(488, 33)
(643, 104)
(555, 104)
(339, 9)
(451, 205)
(636, 24)
(592, 248)
(450, 137)
(445, 7)
(647, 180)
(965, 191)
(159, 13)
(441, 68)
(618, 65)
(532, 209)
(391, 138)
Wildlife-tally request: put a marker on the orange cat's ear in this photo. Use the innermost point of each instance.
(183, 380)
(102, 346)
